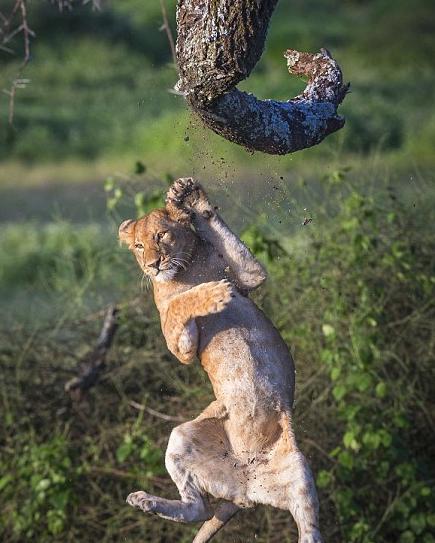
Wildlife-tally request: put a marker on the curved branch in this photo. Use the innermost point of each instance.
(219, 43)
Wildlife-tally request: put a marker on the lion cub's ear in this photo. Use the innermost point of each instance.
(126, 232)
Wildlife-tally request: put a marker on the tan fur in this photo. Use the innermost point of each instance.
(241, 448)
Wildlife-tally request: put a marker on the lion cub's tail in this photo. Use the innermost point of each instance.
(224, 512)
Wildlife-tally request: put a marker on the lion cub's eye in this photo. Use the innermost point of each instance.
(138, 246)
(160, 235)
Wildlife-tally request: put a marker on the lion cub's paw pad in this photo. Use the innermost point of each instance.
(180, 189)
(185, 192)
(141, 500)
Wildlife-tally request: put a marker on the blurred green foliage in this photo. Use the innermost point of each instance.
(37, 488)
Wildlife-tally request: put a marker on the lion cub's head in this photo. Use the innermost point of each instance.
(162, 242)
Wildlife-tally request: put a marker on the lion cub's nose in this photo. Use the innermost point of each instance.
(153, 263)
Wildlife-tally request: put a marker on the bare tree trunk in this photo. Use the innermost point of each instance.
(219, 43)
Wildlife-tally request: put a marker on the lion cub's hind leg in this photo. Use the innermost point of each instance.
(286, 482)
(199, 462)
(181, 460)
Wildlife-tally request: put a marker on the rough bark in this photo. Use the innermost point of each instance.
(219, 42)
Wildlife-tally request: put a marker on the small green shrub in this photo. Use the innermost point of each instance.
(36, 489)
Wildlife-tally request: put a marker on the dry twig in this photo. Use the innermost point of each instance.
(166, 27)
(13, 24)
(93, 363)
(155, 413)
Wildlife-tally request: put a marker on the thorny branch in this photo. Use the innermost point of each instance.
(13, 24)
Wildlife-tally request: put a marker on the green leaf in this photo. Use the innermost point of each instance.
(407, 537)
(111, 203)
(381, 390)
(335, 373)
(339, 392)
(324, 478)
(364, 382)
(328, 330)
(372, 440)
(385, 438)
(417, 523)
(4, 481)
(43, 485)
(60, 499)
(125, 449)
(350, 442)
(345, 459)
(109, 184)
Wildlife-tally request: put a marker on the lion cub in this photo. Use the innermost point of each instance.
(241, 449)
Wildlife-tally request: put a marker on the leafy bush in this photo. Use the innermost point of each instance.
(37, 488)
(372, 331)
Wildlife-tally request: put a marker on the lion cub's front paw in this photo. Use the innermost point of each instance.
(189, 195)
(141, 500)
(179, 190)
(216, 295)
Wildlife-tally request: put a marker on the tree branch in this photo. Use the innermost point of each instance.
(219, 43)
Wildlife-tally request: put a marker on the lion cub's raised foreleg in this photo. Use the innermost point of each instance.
(178, 317)
(246, 270)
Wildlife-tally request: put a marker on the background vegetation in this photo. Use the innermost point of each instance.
(96, 138)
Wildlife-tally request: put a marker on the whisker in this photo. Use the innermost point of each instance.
(180, 260)
(179, 263)
(180, 253)
(142, 280)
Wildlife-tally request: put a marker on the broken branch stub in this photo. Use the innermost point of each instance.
(93, 363)
(219, 42)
